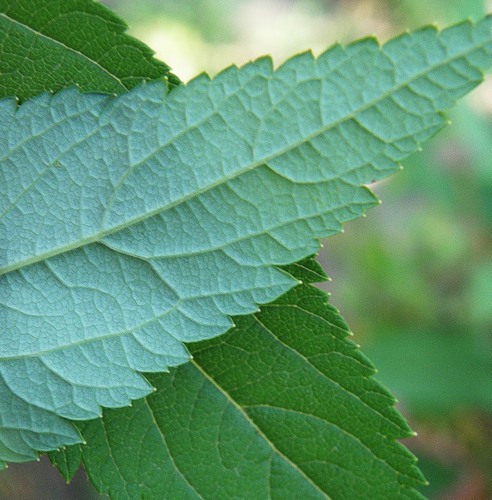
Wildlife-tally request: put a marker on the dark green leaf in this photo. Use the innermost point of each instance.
(49, 45)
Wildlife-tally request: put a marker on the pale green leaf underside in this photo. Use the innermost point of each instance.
(131, 225)
(26, 429)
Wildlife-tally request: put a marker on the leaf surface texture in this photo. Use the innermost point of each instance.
(157, 217)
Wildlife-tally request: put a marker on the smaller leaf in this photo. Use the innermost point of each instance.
(67, 460)
(307, 270)
(49, 44)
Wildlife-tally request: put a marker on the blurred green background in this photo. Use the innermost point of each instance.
(414, 278)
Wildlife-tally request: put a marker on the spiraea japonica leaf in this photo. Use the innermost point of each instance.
(136, 223)
(48, 45)
(282, 406)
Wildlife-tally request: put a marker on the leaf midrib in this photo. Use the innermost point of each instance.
(257, 429)
(223, 180)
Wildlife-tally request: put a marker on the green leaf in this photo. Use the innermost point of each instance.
(157, 217)
(67, 460)
(49, 45)
(282, 406)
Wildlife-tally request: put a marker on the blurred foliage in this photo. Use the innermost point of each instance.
(440, 475)
(206, 16)
(436, 374)
(452, 11)
(414, 279)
